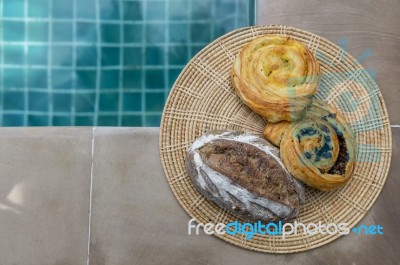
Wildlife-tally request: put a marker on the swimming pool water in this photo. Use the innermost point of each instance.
(102, 62)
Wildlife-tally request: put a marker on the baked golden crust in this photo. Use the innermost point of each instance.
(275, 76)
(274, 132)
(319, 150)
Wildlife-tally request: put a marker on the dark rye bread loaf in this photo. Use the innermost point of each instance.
(242, 173)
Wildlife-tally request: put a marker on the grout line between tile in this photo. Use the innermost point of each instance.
(1, 68)
(98, 63)
(166, 52)
(121, 62)
(74, 63)
(49, 66)
(143, 62)
(90, 194)
(25, 77)
(255, 14)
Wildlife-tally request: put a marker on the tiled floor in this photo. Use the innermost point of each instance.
(44, 187)
(51, 189)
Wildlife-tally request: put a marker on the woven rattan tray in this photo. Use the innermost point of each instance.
(203, 99)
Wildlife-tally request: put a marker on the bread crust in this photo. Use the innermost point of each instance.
(242, 173)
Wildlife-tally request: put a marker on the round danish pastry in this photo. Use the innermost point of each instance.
(275, 77)
(319, 150)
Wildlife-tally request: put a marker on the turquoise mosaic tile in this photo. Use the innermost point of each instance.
(62, 102)
(37, 56)
(14, 100)
(40, 8)
(61, 120)
(14, 54)
(13, 8)
(102, 62)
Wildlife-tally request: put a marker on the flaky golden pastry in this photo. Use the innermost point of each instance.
(275, 77)
(319, 150)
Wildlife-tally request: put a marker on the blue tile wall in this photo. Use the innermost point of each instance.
(102, 62)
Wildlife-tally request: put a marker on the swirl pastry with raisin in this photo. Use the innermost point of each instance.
(319, 150)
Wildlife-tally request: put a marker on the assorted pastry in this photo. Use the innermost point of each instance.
(275, 77)
(306, 141)
(319, 150)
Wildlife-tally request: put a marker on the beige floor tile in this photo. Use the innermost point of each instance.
(365, 25)
(44, 202)
(135, 217)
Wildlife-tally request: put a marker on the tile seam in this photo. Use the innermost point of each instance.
(90, 196)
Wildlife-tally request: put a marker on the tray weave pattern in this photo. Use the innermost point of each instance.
(203, 99)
